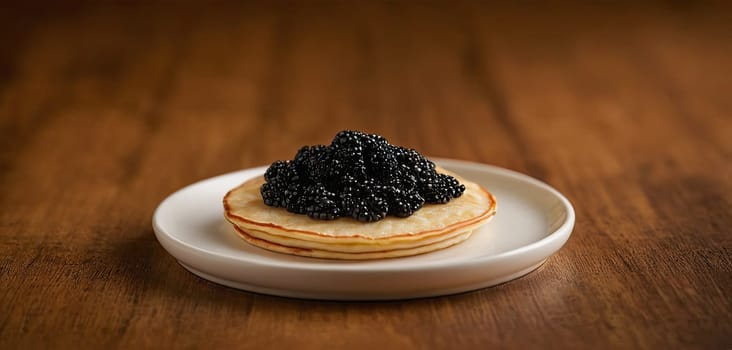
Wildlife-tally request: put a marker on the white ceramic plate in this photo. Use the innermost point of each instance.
(532, 222)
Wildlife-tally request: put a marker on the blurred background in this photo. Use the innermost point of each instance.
(221, 84)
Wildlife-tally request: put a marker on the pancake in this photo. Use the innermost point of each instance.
(433, 227)
(316, 253)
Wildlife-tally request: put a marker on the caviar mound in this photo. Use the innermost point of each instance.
(358, 175)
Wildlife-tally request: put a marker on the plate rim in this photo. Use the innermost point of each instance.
(561, 233)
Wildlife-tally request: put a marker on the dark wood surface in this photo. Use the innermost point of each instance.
(107, 109)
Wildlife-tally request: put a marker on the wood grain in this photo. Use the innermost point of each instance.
(106, 109)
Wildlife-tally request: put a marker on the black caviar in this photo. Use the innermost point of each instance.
(358, 175)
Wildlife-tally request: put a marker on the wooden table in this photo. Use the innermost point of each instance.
(107, 109)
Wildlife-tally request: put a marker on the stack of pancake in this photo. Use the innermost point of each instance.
(431, 228)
